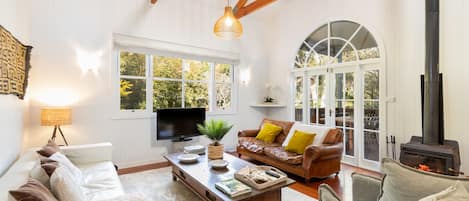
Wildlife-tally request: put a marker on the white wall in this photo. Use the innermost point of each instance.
(454, 40)
(400, 25)
(14, 17)
(60, 28)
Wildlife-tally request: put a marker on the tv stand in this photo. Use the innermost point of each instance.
(181, 139)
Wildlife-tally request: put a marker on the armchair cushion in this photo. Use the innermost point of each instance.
(280, 154)
(326, 193)
(365, 188)
(254, 145)
(404, 183)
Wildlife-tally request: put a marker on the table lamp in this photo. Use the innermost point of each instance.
(56, 116)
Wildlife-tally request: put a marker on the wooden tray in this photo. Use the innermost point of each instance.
(249, 175)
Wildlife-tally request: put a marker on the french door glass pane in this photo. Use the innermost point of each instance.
(299, 99)
(371, 140)
(371, 115)
(349, 142)
(318, 99)
(371, 84)
(349, 117)
(339, 113)
(167, 94)
(345, 109)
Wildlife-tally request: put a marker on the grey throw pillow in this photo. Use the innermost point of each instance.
(408, 184)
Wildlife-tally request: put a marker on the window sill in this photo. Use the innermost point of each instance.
(144, 115)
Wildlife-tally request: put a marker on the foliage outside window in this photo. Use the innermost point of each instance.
(175, 83)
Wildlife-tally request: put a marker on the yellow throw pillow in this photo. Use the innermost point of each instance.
(269, 132)
(299, 141)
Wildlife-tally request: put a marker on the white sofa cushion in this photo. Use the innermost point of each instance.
(18, 173)
(66, 163)
(320, 131)
(64, 186)
(101, 181)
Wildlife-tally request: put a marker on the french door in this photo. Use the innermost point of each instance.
(345, 97)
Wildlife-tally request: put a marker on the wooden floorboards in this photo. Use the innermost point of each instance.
(342, 183)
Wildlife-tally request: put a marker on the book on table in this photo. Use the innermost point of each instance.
(233, 187)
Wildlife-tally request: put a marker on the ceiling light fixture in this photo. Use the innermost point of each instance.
(228, 26)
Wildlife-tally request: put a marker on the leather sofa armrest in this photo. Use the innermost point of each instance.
(365, 188)
(248, 133)
(324, 152)
(88, 153)
(326, 193)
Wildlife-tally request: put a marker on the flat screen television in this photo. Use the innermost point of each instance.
(179, 124)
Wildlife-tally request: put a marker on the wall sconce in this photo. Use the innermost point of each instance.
(89, 61)
(245, 76)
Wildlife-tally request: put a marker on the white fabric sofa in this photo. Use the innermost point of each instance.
(101, 181)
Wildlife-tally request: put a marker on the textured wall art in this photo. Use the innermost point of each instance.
(14, 64)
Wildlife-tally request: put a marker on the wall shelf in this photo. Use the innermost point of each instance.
(268, 105)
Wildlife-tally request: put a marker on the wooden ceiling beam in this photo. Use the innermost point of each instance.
(248, 9)
(239, 5)
(153, 1)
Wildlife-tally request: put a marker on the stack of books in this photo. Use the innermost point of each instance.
(233, 187)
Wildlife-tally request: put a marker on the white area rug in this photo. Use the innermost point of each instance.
(157, 185)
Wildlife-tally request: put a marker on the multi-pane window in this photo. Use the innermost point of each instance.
(175, 83)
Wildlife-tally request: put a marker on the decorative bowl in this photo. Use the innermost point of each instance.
(218, 164)
(188, 158)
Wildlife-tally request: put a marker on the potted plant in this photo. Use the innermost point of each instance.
(269, 99)
(215, 130)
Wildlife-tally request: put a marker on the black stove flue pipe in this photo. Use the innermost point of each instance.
(432, 101)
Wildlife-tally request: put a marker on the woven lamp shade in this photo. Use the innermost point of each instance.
(228, 26)
(56, 116)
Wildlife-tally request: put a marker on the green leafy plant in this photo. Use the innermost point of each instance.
(214, 130)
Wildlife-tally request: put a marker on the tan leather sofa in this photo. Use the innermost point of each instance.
(320, 160)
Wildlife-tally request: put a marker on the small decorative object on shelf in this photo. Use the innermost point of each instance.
(269, 99)
(215, 130)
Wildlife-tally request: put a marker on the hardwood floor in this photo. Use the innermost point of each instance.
(342, 183)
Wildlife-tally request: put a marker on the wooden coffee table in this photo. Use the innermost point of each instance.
(201, 178)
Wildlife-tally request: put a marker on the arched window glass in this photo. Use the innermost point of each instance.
(337, 42)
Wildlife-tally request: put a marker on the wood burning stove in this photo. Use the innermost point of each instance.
(432, 151)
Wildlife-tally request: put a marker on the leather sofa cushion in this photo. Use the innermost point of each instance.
(254, 145)
(285, 156)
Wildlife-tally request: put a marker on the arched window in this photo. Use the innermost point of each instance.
(337, 42)
(336, 79)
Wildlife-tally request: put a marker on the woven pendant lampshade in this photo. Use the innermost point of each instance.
(228, 26)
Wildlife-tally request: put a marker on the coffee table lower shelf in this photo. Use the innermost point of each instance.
(206, 195)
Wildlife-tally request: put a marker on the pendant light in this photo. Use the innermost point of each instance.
(228, 26)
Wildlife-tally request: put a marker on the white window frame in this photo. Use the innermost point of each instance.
(361, 66)
(148, 111)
